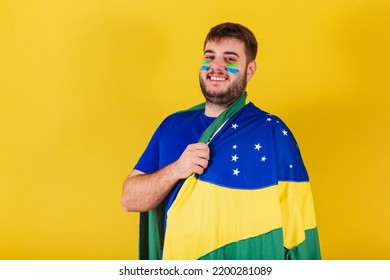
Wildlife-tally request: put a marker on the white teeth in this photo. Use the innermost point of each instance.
(217, 79)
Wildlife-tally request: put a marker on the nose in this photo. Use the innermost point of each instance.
(218, 65)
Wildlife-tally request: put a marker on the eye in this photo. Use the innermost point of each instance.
(231, 59)
(208, 57)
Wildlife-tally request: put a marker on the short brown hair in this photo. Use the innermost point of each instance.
(235, 31)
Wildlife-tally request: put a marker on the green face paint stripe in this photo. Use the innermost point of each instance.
(205, 66)
(232, 65)
(232, 68)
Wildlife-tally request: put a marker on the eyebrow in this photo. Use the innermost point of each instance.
(226, 53)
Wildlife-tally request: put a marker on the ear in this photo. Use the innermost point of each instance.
(250, 70)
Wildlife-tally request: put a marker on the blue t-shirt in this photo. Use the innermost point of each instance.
(171, 138)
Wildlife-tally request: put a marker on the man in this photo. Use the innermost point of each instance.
(223, 180)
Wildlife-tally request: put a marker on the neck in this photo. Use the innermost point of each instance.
(213, 110)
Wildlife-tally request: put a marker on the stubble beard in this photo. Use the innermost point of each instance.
(224, 99)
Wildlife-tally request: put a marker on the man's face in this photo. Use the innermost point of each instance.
(224, 72)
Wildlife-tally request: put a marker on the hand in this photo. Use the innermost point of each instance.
(194, 159)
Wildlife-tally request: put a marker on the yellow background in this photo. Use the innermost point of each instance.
(83, 85)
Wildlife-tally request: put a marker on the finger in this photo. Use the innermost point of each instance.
(198, 169)
(202, 151)
(201, 155)
(203, 163)
(199, 146)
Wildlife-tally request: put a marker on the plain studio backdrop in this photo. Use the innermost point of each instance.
(83, 85)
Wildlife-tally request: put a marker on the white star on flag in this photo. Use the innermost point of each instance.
(291, 166)
(258, 146)
(234, 147)
(284, 132)
(234, 126)
(235, 158)
(263, 158)
(269, 119)
(236, 171)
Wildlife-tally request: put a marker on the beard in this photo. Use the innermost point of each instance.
(231, 94)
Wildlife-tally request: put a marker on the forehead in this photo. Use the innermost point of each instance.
(226, 45)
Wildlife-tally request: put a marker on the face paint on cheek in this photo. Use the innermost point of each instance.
(232, 68)
(205, 66)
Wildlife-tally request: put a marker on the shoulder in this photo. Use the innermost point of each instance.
(182, 116)
(180, 119)
(265, 122)
(254, 113)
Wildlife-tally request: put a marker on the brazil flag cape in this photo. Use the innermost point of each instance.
(254, 200)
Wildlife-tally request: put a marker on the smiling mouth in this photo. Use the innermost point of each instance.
(217, 79)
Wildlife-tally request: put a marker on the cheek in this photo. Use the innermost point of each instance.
(205, 66)
(203, 76)
(233, 68)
